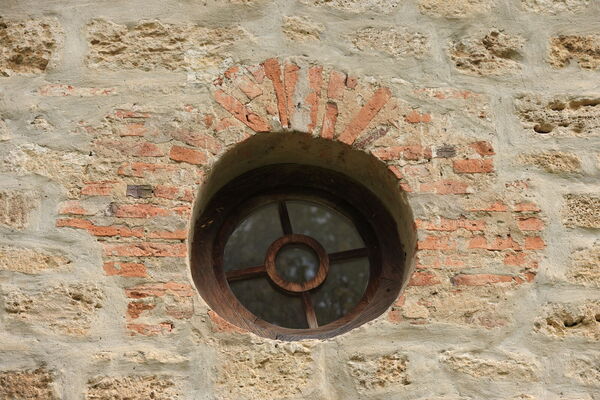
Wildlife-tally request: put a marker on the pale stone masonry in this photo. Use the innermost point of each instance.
(486, 113)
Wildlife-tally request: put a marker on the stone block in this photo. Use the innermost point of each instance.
(132, 387)
(554, 162)
(585, 266)
(572, 319)
(455, 8)
(397, 43)
(28, 46)
(380, 372)
(299, 28)
(496, 53)
(16, 208)
(27, 385)
(30, 261)
(583, 49)
(581, 210)
(508, 367)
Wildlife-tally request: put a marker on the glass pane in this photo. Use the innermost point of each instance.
(342, 290)
(331, 229)
(297, 263)
(269, 304)
(247, 246)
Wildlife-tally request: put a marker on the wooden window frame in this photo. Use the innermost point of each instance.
(275, 183)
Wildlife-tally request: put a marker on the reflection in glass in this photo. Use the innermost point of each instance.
(248, 244)
(333, 230)
(297, 263)
(342, 290)
(269, 304)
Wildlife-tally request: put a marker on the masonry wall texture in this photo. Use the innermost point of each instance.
(112, 115)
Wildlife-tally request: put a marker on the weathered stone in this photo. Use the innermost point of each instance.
(583, 49)
(585, 266)
(132, 387)
(373, 373)
(555, 162)
(264, 371)
(16, 207)
(5, 133)
(152, 45)
(27, 385)
(581, 210)
(357, 6)
(573, 319)
(554, 7)
(509, 367)
(30, 261)
(68, 168)
(67, 309)
(477, 305)
(397, 43)
(455, 8)
(560, 115)
(301, 28)
(585, 370)
(494, 54)
(28, 46)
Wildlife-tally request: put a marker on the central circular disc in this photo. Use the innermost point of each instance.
(297, 263)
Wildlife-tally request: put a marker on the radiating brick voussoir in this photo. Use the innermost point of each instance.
(362, 119)
(241, 112)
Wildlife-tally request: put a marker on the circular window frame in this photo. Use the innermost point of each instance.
(275, 183)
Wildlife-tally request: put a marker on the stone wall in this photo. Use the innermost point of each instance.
(112, 115)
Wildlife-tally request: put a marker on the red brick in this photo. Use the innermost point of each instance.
(125, 269)
(96, 230)
(534, 243)
(145, 249)
(473, 166)
(436, 243)
(136, 308)
(241, 112)
(140, 169)
(423, 279)
(452, 225)
(187, 155)
(139, 211)
(173, 193)
(365, 115)
(219, 325)
(396, 171)
(414, 117)
(249, 88)
(104, 188)
(315, 82)
(159, 290)
(329, 121)
(74, 207)
(133, 129)
(483, 148)
(413, 153)
(290, 78)
(151, 330)
(530, 224)
(335, 88)
(515, 259)
(273, 72)
(180, 234)
(258, 72)
(499, 243)
(494, 207)
(482, 279)
(351, 82)
(526, 207)
(446, 186)
(198, 139)
(122, 114)
(129, 148)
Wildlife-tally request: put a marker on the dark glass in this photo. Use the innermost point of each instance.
(333, 230)
(248, 244)
(344, 286)
(270, 304)
(297, 263)
(342, 290)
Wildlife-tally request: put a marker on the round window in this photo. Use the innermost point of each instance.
(291, 252)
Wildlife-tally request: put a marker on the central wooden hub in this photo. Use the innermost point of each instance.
(293, 239)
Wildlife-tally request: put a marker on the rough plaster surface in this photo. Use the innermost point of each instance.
(476, 121)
